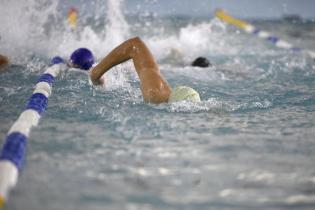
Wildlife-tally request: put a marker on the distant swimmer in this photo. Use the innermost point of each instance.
(154, 87)
(177, 55)
(4, 61)
(81, 58)
(201, 62)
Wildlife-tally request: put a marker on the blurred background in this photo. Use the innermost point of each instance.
(249, 144)
(266, 9)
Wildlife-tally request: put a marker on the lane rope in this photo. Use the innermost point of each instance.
(251, 29)
(12, 154)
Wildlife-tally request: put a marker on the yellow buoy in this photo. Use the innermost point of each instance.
(1, 202)
(229, 19)
(72, 18)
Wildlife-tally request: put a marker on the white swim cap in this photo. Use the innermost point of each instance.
(181, 93)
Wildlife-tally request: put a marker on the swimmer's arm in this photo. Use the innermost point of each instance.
(119, 55)
(131, 49)
(153, 86)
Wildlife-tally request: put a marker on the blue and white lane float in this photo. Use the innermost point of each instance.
(13, 152)
(261, 33)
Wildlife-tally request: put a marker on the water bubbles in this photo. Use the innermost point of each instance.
(40, 27)
(117, 29)
(249, 141)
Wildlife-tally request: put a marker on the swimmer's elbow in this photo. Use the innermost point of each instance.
(136, 41)
(135, 46)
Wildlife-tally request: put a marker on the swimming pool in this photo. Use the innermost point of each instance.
(249, 144)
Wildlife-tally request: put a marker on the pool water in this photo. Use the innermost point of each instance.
(249, 144)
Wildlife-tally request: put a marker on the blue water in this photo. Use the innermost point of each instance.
(249, 144)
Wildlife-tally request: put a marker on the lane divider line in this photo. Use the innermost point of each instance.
(13, 151)
(251, 29)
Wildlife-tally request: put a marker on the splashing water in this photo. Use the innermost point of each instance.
(116, 28)
(22, 27)
(40, 27)
(247, 145)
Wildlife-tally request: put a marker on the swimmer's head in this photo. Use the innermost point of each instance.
(82, 58)
(181, 93)
(201, 62)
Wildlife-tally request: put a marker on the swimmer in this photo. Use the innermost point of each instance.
(4, 61)
(81, 58)
(154, 87)
(177, 55)
(201, 62)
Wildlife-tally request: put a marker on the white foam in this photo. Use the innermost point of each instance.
(194, 40)
(40, 27)
(117, 28)
(23, 25)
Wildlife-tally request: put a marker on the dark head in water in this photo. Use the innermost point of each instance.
(201, 62)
